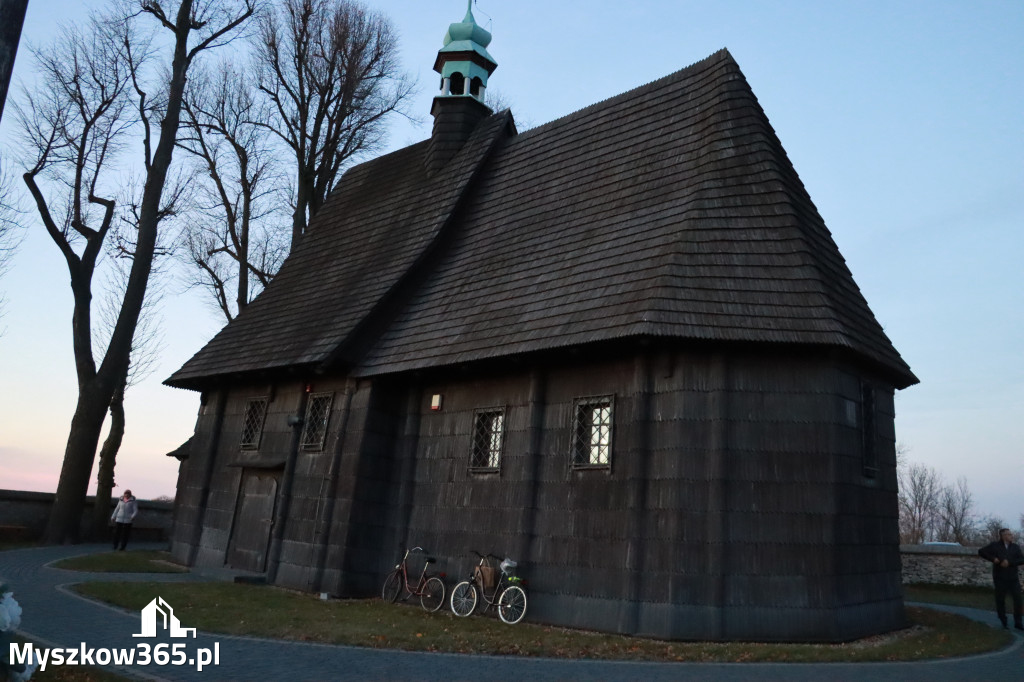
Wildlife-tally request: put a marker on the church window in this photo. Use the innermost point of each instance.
(318, 411)
(252, 424)
(488, 434)
(592, 432)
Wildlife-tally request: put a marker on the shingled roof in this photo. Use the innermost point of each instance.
(376, 228)
(671, 210)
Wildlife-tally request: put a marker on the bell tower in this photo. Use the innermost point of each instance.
(464, 65)
(463, 62)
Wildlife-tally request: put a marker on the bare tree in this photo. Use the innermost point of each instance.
(146, 347)
(91, 98)
(987, 529)
(956, 513)
(902, 450)
(235, 242)
(330, 70)
(496, 100)
(920, 489)
(77, 122)
(10, 223)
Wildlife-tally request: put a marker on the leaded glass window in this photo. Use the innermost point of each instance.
(592, 432)
(318, 411)
(488, 433)
(252, 424)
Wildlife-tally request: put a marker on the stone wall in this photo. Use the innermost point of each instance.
(23, 516)
(945, 565)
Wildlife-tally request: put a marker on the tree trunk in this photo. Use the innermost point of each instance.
(96, 387)
(302, 194)
(108, 456)
(65, 516)
(12, 16)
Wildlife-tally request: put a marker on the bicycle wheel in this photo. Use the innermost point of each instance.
(512, 605)
(433, 594)
(392, 587)
(463, 599)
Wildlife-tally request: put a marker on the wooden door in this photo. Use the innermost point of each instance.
(254, 519)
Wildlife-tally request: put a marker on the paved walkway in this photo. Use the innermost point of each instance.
(57, 617)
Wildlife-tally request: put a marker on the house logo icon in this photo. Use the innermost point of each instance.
(158, 611)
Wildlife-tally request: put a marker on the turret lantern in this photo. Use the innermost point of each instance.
(463, 62)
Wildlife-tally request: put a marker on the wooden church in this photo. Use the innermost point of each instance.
(621, 348)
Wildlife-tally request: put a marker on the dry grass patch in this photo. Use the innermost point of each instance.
(282, 614)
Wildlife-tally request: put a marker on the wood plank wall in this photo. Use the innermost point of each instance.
(736, 505)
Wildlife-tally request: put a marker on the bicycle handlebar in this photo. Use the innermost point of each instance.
(409, 551)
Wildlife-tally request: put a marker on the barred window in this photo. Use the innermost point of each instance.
(252, 425)
(592, 432)
(318, 411)
(487, 439)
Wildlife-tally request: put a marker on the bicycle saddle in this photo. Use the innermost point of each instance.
(431, 560)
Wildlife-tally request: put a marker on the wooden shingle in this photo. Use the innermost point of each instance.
(668, 211)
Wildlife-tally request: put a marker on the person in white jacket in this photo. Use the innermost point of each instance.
(125, 512)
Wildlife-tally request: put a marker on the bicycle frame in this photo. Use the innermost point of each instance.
(421, 584)
(507, 595)
(429, 588)
(499, 587)
(504, 580)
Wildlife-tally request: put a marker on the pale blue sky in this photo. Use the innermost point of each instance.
(905, 121)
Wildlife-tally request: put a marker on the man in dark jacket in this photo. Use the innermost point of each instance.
(1005, 556)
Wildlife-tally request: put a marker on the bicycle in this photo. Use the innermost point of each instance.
(429, 588)
(508, 592)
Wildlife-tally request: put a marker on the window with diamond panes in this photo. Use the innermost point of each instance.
(252, 425)
(318, 411)
(592, 432)
(487, 438)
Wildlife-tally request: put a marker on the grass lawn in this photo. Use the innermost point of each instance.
(953, 595)
(140, 561)
(272, 612)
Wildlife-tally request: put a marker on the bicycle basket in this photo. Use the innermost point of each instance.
(508, 566)
(486, 576)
